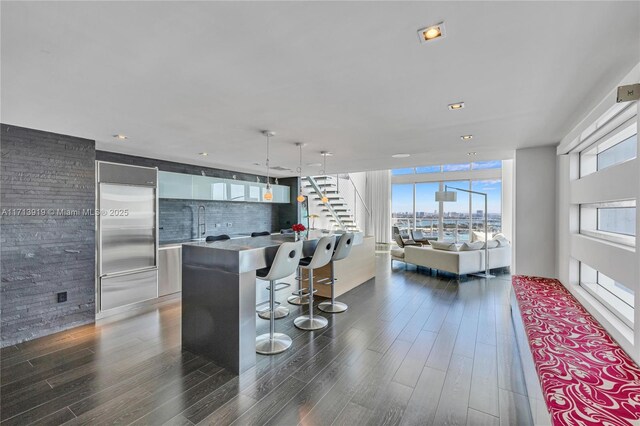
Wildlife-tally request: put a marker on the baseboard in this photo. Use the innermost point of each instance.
(136, 308)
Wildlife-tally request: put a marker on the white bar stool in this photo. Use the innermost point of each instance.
(343, 249)
(299, 297)
(321, 256)
(284, 264)
(280, 312)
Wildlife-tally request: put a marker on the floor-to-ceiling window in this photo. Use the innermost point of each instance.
(402, 206)
(493, 189)
(414, 205)
(456, 220)
(427, 208)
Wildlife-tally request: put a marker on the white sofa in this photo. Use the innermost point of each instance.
(457, 262)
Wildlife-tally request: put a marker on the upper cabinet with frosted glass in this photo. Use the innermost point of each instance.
(192, 187)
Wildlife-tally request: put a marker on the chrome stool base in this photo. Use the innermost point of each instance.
(265, 345)
(298, 300)
(332, 307)
(304, 322)
(280, 312)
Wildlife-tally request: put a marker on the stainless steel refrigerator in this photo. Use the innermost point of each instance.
(127, 235)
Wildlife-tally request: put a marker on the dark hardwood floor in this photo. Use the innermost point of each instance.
(412, 349)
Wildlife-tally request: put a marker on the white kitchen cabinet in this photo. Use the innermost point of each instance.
(193, 187)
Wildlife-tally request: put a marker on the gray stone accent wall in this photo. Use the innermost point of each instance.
(178, 218)
(52, 249)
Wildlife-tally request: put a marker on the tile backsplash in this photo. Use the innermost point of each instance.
(179, 218)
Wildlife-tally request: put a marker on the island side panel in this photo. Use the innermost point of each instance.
(247, 320)
(356, 269)
(218, 310)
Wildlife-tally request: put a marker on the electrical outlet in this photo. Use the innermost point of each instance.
(218, 225)
(229, 224)
(62, 297)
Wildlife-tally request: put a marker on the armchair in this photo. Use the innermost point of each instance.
(405, 242)
(420, 237)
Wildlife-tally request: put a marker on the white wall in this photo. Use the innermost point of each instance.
(535, 211)
(566, 269)
(507, 198)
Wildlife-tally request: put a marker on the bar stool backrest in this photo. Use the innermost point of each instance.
(343, 248)
(285, 262)
(260, 234)
(322, 254)
(212, 238)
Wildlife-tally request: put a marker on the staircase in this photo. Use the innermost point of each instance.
(337, 212)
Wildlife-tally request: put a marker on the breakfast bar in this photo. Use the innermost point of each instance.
(219, 294)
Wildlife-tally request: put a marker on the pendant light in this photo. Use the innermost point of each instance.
(268, 195)
(301, 197)
(325, 199)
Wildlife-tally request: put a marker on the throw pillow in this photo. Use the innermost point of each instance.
(502, 242)
(478, 245)
(444, 245)
(492, 244)
(479, 236)
(502, 239)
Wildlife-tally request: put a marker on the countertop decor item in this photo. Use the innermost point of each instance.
(298, 228)
(313, 218)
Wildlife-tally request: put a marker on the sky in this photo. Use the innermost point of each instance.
(479, 165)
(402, 197)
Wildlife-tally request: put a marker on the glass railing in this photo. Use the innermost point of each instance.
(453, 229)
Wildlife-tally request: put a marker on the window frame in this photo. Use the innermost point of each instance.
(588, 157)
(592, 286)
(588, 222)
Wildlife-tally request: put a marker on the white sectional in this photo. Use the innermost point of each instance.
(457, 262)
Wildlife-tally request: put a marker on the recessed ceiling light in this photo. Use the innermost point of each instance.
(456, 106)
(432, 32)
(314, 164)
(401, 155)
(471, 153)
(327, 153)
(204, 154)
(466, 137)
(120, 137)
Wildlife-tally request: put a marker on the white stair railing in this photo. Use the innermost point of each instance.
(339, 210)
(314, 185)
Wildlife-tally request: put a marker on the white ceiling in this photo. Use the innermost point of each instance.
(350, 77)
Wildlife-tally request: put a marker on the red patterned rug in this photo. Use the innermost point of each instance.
(586, 378)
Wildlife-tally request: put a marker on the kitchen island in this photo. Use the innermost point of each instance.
(219, 295)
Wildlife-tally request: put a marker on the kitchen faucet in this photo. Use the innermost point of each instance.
(202, 227)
